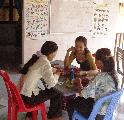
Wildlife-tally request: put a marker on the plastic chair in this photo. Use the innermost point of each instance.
(16, 104)
(114, 98)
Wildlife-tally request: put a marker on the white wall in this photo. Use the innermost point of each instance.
(67, 39)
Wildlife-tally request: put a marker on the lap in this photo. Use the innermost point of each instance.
(84, 106)
(43, 96)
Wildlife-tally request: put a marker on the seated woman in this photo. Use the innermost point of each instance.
(38, 79)
(82, 55)
(104, 83)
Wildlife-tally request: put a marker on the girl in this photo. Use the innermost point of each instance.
(82, 55)
(38, 79)
(104, 83)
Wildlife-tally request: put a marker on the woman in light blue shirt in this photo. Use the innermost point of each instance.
(105, 82)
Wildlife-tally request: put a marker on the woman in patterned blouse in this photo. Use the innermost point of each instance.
(82, 55)
(104, 83)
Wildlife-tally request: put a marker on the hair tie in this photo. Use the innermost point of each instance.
(38, 53)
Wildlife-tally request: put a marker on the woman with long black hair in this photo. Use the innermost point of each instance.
(38, 79)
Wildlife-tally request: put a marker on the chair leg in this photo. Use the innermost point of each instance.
(14, 113)
(34, 115)
(9, 111)
(43, 112)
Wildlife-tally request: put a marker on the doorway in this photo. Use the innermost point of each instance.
(10, 34)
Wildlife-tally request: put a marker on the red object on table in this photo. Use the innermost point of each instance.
(84, 82)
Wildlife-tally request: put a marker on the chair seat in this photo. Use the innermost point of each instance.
(113, 99)
(16, 104)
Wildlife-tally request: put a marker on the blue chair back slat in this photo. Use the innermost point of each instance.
(112, 106)
(113, 100)
(97, 108)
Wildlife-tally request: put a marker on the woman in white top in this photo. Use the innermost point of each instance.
(38, 79)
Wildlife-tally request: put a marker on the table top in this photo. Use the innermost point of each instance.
(62, 82)
(62, 85)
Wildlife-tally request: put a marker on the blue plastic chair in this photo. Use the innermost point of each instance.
(113, 98)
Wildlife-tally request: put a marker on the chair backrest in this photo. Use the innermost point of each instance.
(120, 63)
(113, 100)
(119, 42)
(13, 94)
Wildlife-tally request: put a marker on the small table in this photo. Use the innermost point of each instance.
(68, 92)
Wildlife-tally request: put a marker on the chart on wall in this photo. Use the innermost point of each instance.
(36, 18)
(68, 16)
(101, 20)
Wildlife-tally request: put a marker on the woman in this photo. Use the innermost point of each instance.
(82, 55)
(38, 80)
(104, 83)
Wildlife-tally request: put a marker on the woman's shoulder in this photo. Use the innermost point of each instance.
(103, 76)
(40, 63)
(43, 58)
(44, 61)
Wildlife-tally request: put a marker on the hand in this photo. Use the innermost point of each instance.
(54, 70)
(77, 85)
(61, 71)
(58, 73)
(71, 49)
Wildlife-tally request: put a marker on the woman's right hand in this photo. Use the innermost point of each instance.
(71, 49)
(77, 85)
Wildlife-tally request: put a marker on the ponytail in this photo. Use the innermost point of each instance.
(25, 69)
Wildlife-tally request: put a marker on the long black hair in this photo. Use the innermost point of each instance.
(47, 48)
(104, 55)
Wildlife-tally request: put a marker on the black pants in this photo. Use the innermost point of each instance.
(82, 105)
(55, 109)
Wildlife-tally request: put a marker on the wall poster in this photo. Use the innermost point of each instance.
(101, 20)
(36, 18)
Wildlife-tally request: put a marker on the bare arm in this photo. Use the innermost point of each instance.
(93, 69)
(89, 73)
(69, 57)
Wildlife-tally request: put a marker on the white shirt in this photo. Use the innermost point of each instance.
(41, 69)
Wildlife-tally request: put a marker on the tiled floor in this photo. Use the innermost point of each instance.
(119, 113)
